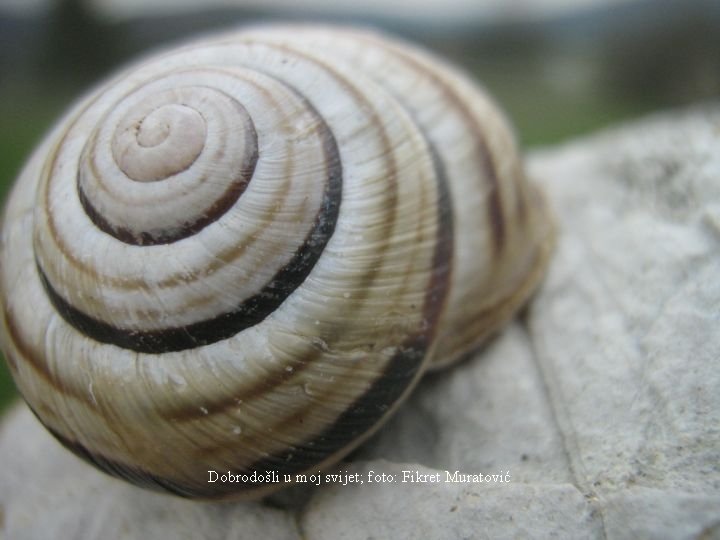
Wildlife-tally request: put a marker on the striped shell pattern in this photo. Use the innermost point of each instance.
(240, 255)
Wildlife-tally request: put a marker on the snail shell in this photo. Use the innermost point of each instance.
(240, 255)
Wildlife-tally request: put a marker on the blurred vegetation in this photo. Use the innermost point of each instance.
(556, 78)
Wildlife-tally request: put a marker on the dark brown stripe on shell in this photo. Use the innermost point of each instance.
(390, 200)
(522, 202)
(496, 219)
(484, 155)
(495, 315)
(192, 226)
(251, 311)
(188, 228)
(123, 282)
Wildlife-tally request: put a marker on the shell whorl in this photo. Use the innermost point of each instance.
(243, 253)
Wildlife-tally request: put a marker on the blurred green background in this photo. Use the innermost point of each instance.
(559, 73)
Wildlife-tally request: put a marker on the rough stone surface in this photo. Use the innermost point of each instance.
(599, 407)
(446, 509)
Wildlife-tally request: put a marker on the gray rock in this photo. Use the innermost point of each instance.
(446, 509)
(597, 412)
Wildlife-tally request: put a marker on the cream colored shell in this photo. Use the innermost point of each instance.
(241, 254)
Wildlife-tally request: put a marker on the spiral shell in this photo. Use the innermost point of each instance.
(240, 255)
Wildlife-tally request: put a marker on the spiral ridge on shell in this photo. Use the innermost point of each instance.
(240, 255)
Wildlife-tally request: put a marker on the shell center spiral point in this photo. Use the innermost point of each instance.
(149, 147)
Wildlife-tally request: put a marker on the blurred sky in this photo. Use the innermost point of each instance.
(442, 11)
